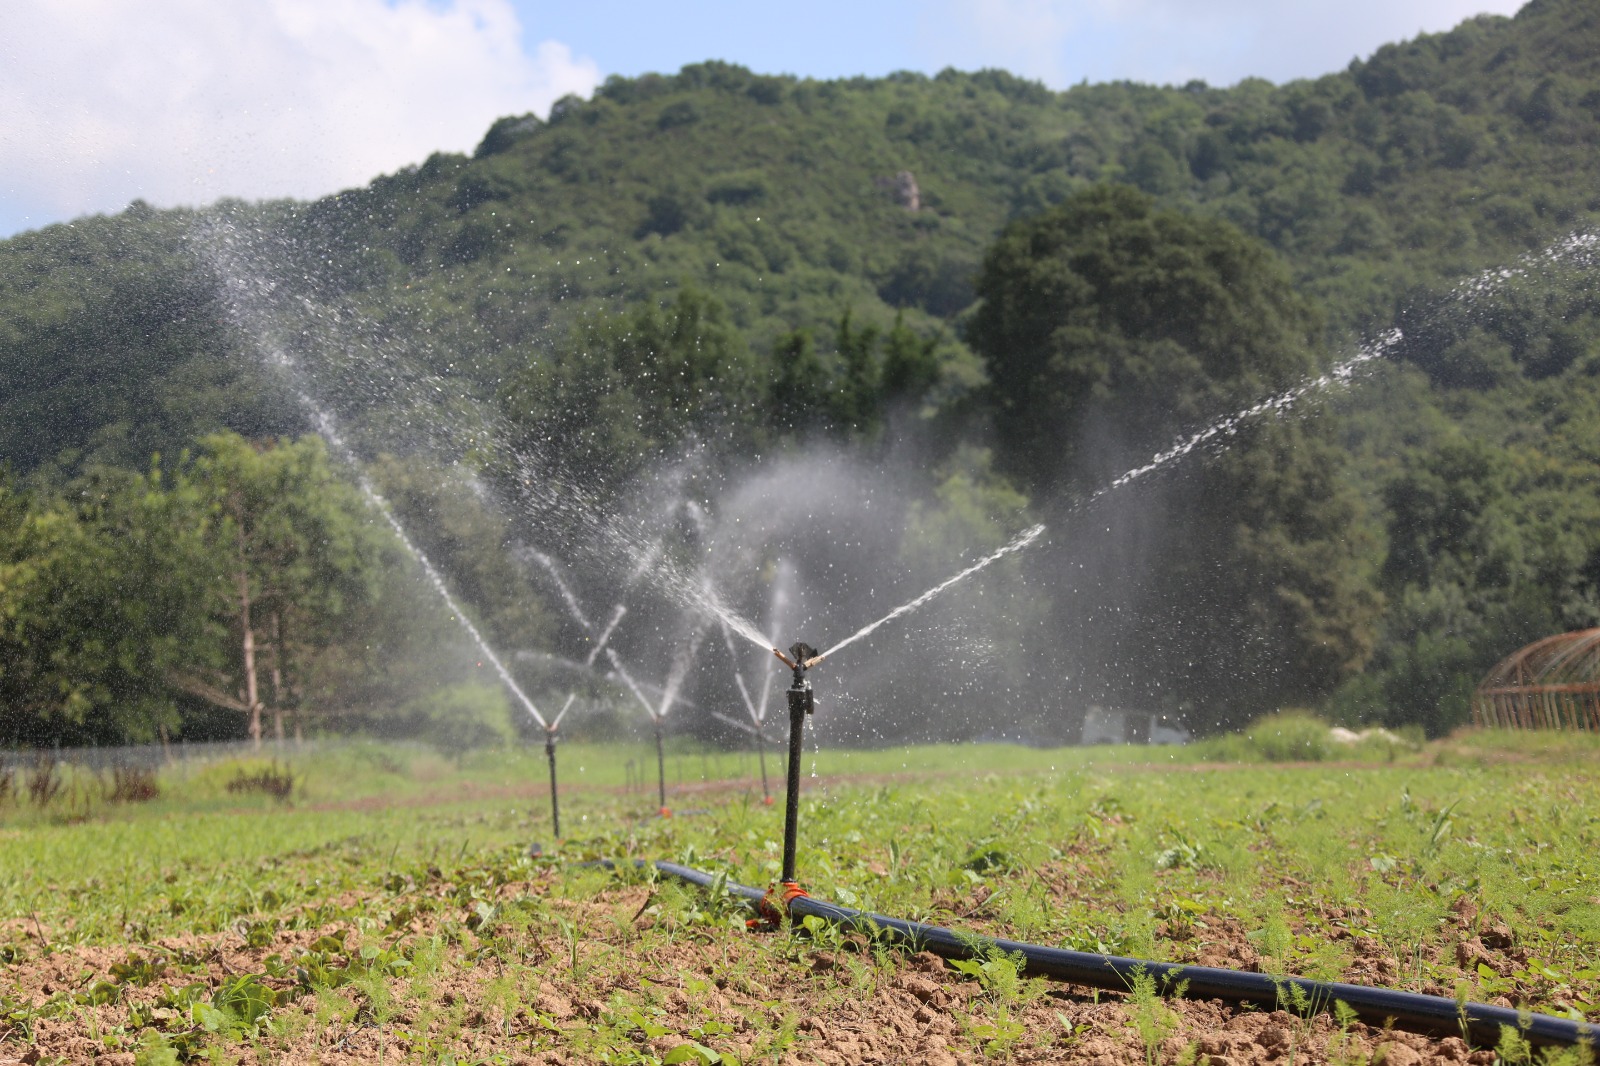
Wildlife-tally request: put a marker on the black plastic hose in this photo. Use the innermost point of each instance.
(1480, 1023)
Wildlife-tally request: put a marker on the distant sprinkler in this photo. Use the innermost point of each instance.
(550, 753)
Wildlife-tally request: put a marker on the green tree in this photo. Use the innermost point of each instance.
(98, 596)
(800, 383)
(1149, 319)
(854, 401)
(850, 390)
(1109, 321)
(469, 542)
(910, 362)
(1490, 548)
(297, 554)
(627, 388)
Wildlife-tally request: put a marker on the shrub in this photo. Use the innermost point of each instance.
(272, 780)
(44, 782)
(461, 718)
(1290, 736)
(132, 784)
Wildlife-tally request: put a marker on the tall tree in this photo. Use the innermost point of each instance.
(1108, 326)
(1108, 310)
(98, 596)
(626, 388)
(298, 554)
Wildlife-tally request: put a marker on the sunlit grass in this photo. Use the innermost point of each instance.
(1113, 849)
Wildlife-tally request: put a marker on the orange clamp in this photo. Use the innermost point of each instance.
(774, 906)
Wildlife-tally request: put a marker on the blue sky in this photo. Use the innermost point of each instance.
(185, 101)
(1060, 42)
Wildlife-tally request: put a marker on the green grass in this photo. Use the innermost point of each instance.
(1133, 851)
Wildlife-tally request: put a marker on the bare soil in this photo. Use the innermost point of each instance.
(561, 986)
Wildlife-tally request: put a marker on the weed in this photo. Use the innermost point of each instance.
(44, 781)
(997, 972)
(1304, 1006)
(1275, 941)
(1185, 852)
(1513, 1048)
(1342, 1049)
(245, 1000)
(1579, 1055)
(983, 860)
(1153, 1020)
(428, 893)
(256, 934)
(824, 935)
(997, 1036)
(271, 780)
(132, 784)
(155, 1050)
(1439, 830)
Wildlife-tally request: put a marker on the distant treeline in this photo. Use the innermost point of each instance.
(242, 590)
(1038, 289)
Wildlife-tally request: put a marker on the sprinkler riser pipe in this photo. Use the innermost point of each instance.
(555, 804)
(761, 756)
(802, 701)
(661, 769)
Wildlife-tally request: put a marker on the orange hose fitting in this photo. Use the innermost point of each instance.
(774, 906)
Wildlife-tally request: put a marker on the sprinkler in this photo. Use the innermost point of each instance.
(550, 731)
(761, 741)
(756, 726)
(658, 715)
(555, 805)
(802, 702)
(661, 772)
(761, 760)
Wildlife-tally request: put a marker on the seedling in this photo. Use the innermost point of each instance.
(1153, 1020)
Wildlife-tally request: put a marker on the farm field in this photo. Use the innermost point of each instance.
(392, 910)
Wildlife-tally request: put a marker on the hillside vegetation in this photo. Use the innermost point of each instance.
(733, 264)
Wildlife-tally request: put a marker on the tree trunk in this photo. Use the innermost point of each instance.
(277, 675)
(252, 698)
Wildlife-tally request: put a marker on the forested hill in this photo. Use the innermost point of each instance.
(1428, 161)
(839, 227)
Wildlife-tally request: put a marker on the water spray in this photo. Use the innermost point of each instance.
(757, 715)
(761, 761)
(602, 646)
(658, 716)
(555, 723)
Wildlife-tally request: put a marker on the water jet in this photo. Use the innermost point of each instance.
(756, 726)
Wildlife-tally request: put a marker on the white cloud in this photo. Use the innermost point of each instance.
(183, 101)
(1062, 42)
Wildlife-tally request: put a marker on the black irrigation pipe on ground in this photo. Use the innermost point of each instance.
(1480, 1023)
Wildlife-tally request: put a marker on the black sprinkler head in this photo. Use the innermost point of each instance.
(802, 656)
